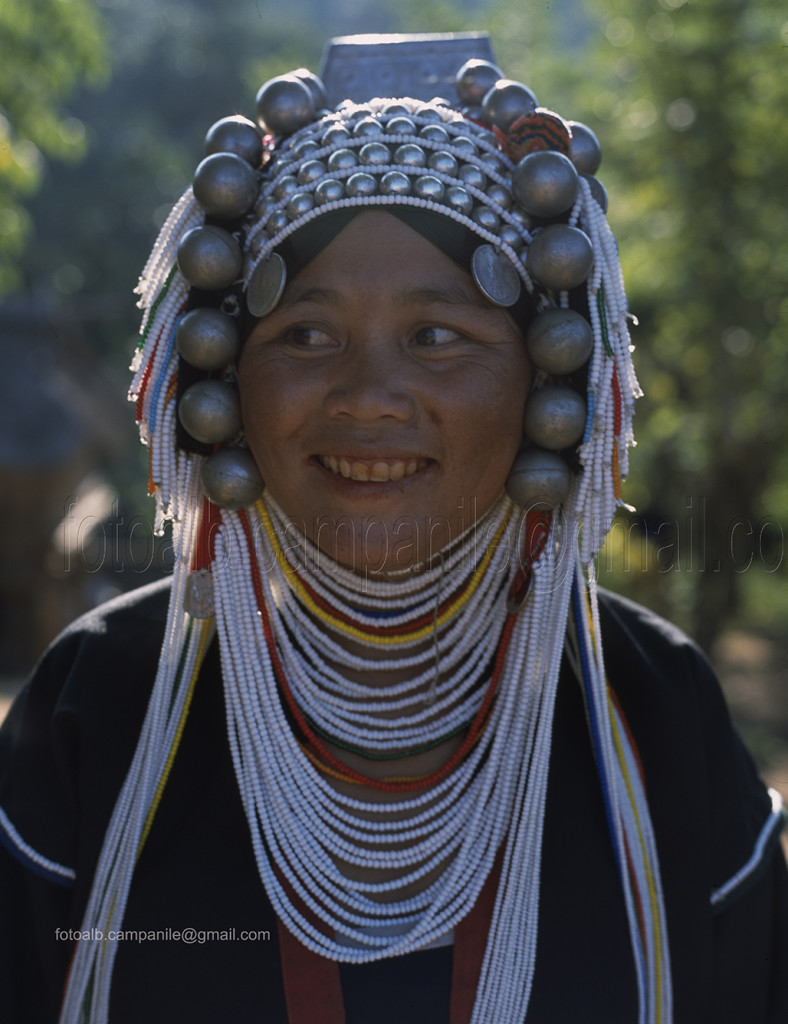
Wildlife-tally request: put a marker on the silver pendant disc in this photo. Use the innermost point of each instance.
(495, 276)
(266, 285)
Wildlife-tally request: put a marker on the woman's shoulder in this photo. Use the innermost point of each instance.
(76, 722)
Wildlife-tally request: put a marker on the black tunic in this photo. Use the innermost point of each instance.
(66, 746)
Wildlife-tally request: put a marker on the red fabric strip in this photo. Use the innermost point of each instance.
(313, 989)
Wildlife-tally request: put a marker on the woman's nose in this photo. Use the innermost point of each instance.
(372, 384)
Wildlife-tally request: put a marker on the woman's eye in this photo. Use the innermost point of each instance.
(433, 337)
(308, 337)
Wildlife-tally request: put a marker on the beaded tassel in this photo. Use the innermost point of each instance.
(88, 990)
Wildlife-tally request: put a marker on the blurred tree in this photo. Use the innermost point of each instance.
(47, 47)
(691, 121)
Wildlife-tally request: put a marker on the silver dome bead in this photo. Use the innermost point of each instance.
(560, 257)
(443, 162)
(335, 135)
(286, 186)
(511, 237)
(493, 164)
(315, 86)
(400, 125)
(393, 109)
(506, 101)
(210, 411)
(231, 479)
(555, 417)
(235, 135)
(500, 196)
(486, 218)
(463, 146)
(410, 155)
(459, 199)
(207, 339)
(225, 186)
(311, 171)
(209, 258)
(428, 187)
(301, 203)
(472, 175)
(284, 104)
(585, 150)
(544, 183)
(559, 341)
(538, 479)
(304, 149)
(329, 191)
(395, 183)
(361, 184)
(475, 79)
(276, 223)
(367, 128)
(520, 217)
(374, 154)
(342, 160)
(434, 133)
(428, 112)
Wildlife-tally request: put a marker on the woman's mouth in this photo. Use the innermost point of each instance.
(371, 470)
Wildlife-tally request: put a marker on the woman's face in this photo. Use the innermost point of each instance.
(383, 398)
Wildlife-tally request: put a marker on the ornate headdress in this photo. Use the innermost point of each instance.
(512, 186)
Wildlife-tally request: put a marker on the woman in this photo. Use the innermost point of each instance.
(427, 793)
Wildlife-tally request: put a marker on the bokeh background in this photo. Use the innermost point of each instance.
(103, 108)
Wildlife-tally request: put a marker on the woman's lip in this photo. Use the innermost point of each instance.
(374, 470)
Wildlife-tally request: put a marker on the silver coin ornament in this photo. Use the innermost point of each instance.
(210, 411)
(560, 257)
(237, 135)
(555, 417)
(506, 101)
(538, 479)
(475, 79)
(495, 276)
(231, 479)
(544, 183)
(284, 104)
(209, 257)
(559, 341)
(586, 153)
(225, 186)
(315, 85)
(266, 286)
(207, 339)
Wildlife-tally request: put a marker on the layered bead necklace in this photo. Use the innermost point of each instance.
(290, 682)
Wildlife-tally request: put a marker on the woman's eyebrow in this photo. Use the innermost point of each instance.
(451, 295)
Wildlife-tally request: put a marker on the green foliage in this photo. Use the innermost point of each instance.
(47, 47)
(696, 160)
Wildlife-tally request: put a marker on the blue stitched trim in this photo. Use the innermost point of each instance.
(750, 872)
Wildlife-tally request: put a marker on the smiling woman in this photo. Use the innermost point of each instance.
(386, 394)
(382, 715)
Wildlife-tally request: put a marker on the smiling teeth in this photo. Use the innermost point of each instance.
(377, 471)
